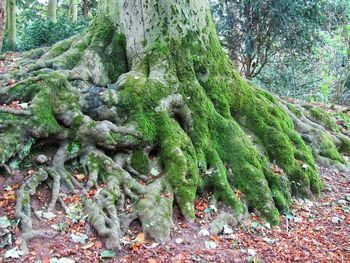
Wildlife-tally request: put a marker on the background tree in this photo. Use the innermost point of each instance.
(11, 23)
(2, 21)
(172, 119)
(34, 29)
(85, 7)
(254, 31)
(52, 10)
(73, 11)
(341, 28)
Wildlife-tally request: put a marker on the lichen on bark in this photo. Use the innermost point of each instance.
(152, 109)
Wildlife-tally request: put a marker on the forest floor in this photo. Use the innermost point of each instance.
(313, 231)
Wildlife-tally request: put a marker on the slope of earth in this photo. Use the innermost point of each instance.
(313, 231)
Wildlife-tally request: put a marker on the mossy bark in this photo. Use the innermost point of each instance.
(3, 11)
(52, 10)
(11, 23)
(73, 11)
(152, 108)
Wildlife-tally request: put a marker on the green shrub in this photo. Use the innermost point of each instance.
(41, 32)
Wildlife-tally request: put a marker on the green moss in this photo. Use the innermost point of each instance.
(216, 177)
(26, 90)
(327, 148)
(345, 145)
(295, 110)
(140, 162)
(323, 117)
(117, 52)
(60, 47)
(180, 163)
(74, 147)
(34, 53)
(44, 118)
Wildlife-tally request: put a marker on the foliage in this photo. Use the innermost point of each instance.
(302, 52)
(253, 31)
(43, 32)
(34, 30)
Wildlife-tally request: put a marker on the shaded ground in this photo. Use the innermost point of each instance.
(313, 231)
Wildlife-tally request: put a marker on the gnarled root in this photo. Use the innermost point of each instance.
(23, 209)
(177, 123)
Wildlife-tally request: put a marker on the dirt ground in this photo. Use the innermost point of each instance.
(313, 231)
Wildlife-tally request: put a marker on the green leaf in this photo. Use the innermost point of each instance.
(88, 245)
(43, 214)
(48, 215)
(8, 188)
(107, 254)
(4, 222)
(79, 238)
(61, 260)
(255, 225)
(7, 240)
(14, 253)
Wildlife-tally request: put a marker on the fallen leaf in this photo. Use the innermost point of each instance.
(14, 253)
(179, 241)
(88, 245)
(98, 244)
(210, 244)
(79, 238)
(107, 254)
(4, 222)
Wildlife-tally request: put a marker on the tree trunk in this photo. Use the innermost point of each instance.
(73, 11)
(52, 10)
(149, 105)
(11, 23)
(85, 7)
(344, 72)
(2, 21)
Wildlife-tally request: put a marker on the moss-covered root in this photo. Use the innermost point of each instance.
(180, 163)
(103, 210)
(319, 130)
(155, 210)
(23, 209)
(105, 223)
(89, 56)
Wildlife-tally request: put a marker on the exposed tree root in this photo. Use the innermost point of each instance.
(151, 131)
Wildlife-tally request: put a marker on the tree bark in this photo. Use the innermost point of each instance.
(11, 23)
(147, 94)
(344, 72)
(73, 11)
(52, 10)
(2, 21)
(85, 7)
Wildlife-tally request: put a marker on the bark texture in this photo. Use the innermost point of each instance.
(11, 23)
(52, 10)
(73, 11)
(2, 21)
(146, 103)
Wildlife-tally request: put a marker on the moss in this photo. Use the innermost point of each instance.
(345, 145)
(116, 60)
(34, 53)
(101, 32)
(25, 91)
(140, 161)
(217, 180)
(328, 149)
(295, 110)
(179, 160)
(74, 147)
(323, 117)
(44, 118)
(59, 48)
